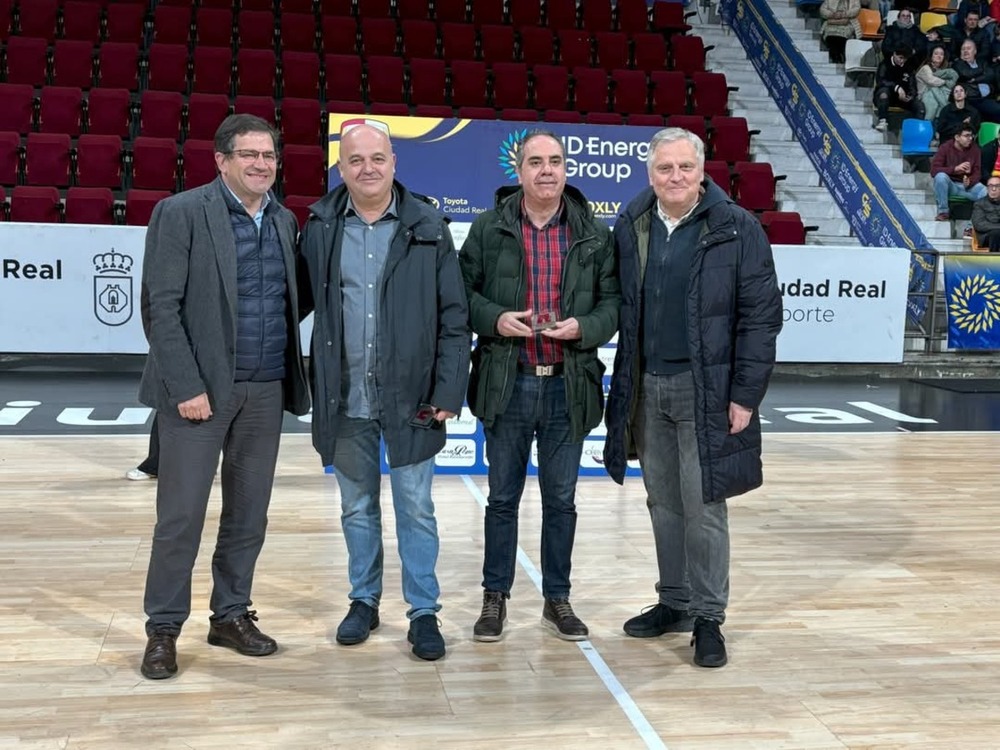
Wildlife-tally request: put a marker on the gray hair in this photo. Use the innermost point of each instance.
(537, 133)
(672, 135)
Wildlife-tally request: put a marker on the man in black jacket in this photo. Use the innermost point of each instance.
(700, 314)
(896, 86)
(986, 216)
(390, 361)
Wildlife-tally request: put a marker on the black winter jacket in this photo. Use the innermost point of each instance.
(423, 325)
(734, 317)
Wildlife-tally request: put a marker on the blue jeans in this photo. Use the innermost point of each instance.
(945, 187)
(356, 464)
(537, 408)
(691, 536)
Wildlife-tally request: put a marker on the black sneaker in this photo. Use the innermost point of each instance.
(558, 617)
(489, 626)
(361, 620)
(425, 635)
(709, 645)
(657, 620)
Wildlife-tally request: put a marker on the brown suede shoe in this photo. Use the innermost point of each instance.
(241, 635)
(160, 658)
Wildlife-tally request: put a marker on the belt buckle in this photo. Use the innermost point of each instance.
(545, 371)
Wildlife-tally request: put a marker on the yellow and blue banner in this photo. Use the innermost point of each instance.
(972, 294)
(868, 202)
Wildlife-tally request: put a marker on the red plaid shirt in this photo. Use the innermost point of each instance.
(544, 251)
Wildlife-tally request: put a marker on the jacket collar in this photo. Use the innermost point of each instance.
(578, 213)
(333, 205)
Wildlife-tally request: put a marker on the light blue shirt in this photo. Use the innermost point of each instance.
(259, 216)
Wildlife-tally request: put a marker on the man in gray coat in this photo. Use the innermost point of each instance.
(986, 216)
(219, 309)
(390, 361)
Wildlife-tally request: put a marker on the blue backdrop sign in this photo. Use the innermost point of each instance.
(972, 291)
(868, 202)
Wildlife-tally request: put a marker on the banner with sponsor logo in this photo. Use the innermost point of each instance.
(972, 295)
(877, 217)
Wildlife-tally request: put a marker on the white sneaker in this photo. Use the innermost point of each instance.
(137, 475)
(882, 126)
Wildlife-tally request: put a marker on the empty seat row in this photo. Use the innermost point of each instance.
(87, 20)
(150, 163)
(82, 205)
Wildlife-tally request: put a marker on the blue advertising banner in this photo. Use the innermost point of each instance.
(972, 291)
(459, 164)
(868, 202)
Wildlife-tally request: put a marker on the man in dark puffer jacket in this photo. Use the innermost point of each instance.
(700, 314)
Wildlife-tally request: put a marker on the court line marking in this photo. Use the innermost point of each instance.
(619, 693)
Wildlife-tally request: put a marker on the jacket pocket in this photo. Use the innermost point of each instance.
(591, 384)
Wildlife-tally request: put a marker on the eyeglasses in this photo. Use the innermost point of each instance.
(993, 187)
(246, 154)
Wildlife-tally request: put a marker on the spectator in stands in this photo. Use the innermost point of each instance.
(955, 168)
(150, 465)
(935, 80)
(991, 159)
(391, 362)
(840, 23)
(542, 282)
(896, 86)
(972, 31)
(986, 215)
(219, 308)
(979, 81)
(956, 114)
(904, 34)
(980, 8)
(701, 311)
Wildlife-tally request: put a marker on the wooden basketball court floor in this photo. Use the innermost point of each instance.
(864, 590)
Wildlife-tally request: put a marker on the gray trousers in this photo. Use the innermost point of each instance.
(691, 536)
(246, 431)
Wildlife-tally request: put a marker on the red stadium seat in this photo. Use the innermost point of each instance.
(525, 13)
(562, 115)
(300, 74)
(730, 139)
(487, 12)
(213, 68)
(256, 29)
(650, 52)
(260, 106)
(301, 121)
(213, 27)
(538, 45)
(428, 85)
(574, 48)
(783, 227)
(670, 92)
(519, 114)
(420, 38)
(118, 66)
(205, 112)
(450, 11)
(631, 91)
(303, 171)
(60, 110)
(407, 9)
(124, 22)
(497, 43)
(510, 85)
(655, 121)
(339, 35)
(10, 158)
(99, 161)
(171, 24)
(612, 50)
(597, 15)
(160, 114)
(299, 205)
(5, 19)
(374, 8)
(82, 20)
(167, 68)
(385, 80)
(754, 185)
(694, 123)
(298, 32)
(395, 109)
(633, 16)
(199, 163)
(139, 205)
(468, 84)
(603, 118)
(18, 108)
(378, 36)
(709, 94)
(73, 63)
(334, 7)
(258, 5)
(344, 78)
(560, 14)
(38, 205)
(551, 87)
(109, 112)
(256, 72)
(719, 172)
(687, 53)
(458, 41)
(477, 113)
(334, 106)
(590, 90)
(47, 159)
(433, 110)
(27, 60)
(303, 6)
(154, 163)
(668, 16)
(38, 18)
(90, 206)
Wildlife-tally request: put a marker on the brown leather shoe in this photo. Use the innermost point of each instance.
(241, 635)
(160, 658)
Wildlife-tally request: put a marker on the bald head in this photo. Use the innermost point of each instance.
(367, 166)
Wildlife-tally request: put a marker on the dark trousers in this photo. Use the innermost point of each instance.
(151, 464)
(246, 430)
(836, 45)
(990, 239)
(537, 409)
(886, 97)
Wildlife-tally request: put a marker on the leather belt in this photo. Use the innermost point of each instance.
(541, 371)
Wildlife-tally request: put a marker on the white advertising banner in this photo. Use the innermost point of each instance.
(74, 289)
